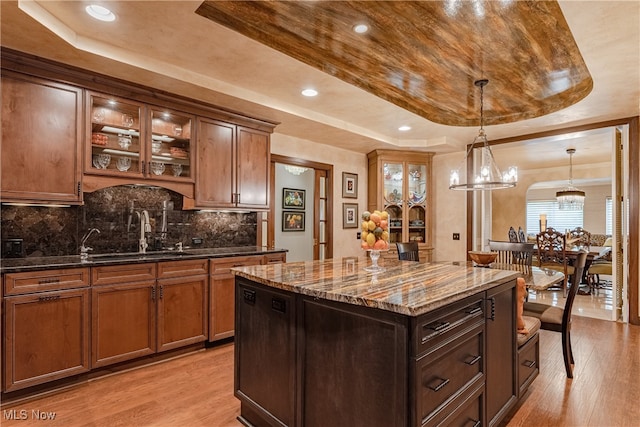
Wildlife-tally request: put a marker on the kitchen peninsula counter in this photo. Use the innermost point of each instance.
(328, 343)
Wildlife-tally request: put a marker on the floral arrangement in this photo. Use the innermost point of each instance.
(375, 233)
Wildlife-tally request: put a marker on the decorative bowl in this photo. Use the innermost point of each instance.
(483, 258)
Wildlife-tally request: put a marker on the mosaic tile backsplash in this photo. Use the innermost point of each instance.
(115, 211)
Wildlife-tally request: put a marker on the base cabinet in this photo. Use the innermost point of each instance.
(332, 363)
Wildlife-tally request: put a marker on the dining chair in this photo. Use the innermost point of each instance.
(513, 235)
(580, 236)
(552, 254)
(513, 253)
(558, 319)
(408, 251)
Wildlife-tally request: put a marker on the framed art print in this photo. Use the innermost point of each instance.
(292, 198)
(349, 185)
(350, 215)
(292, 221)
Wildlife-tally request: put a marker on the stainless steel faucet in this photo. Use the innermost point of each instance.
(145, 227)
(84, 250)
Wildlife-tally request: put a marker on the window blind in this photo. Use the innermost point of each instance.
(561, 220)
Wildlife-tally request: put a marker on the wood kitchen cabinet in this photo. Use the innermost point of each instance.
(400, 183)
(128, 138)
(142, 309)
(46, 326)
(183, 304)
(123, 313)
(233, 166)
(41, 140)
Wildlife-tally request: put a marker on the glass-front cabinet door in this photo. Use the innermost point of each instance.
(116, 136)
(399, 183)
(170, 148)
(133, 139)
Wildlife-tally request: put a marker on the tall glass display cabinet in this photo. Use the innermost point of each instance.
(400, 183)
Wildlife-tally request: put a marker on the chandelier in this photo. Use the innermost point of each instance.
(488, 175)
(570, 198)
(295, 170)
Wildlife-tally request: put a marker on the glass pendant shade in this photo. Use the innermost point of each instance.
(570, 198)
(486, 173)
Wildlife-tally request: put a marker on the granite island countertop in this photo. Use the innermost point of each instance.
(404, 287)
(11, 265)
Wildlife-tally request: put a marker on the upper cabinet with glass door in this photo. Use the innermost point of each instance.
(132, 139)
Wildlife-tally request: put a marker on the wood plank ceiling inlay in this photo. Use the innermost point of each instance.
(424, 56)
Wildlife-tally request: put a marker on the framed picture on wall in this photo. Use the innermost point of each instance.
(350, 215)
(292, 221)
(292, 198)
(349, 185)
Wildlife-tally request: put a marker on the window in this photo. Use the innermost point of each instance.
(608, 229)
(561, 220)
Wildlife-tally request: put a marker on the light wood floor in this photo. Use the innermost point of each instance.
(197, 389)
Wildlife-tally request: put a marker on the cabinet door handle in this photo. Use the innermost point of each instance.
(161, 291)
(48, 298)
(477, 423)
(443, 382)
(529, 363)
(153, 293)
(474, 360)
(249, 296)
(492, 301)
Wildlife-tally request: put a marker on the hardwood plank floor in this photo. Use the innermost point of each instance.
(197, 389)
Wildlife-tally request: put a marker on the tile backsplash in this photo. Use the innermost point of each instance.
(115, 212)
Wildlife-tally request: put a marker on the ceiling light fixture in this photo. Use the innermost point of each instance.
(295, 170)
(100, 13)
(404, 128)
(570, 198)
(361, 28)
(489, 176)
(309, 92)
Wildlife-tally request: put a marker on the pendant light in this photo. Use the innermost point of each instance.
(570, 198)
(488, 176)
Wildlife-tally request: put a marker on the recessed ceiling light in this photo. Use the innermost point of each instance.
(404, 128)
(309, 92)
(100, 13)
(361, 28)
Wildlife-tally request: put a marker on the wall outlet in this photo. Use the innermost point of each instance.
(456, 236)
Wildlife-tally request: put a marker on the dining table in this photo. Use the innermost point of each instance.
(535, 278)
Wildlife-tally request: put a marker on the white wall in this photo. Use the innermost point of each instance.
(345, 242)
(299, 243)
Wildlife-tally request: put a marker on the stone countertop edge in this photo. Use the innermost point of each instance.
(16, 265)
(405, 287)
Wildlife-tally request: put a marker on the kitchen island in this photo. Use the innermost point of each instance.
(328, 343)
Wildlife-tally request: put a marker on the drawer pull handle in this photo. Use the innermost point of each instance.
(474, 310)
(474, 360)
(49, 298)
(49, 280)
(443, 382)
(529, 363)
(439, 326)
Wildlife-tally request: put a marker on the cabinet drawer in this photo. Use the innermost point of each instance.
(192, 267)
(109, 275)
(224, 265)
(528, 362)
(445, 373)
(465, 411)
(435, 329)
(46, 280)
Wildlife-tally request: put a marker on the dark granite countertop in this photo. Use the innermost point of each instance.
(13, 265)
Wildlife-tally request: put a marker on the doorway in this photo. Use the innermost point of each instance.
(303, 227)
